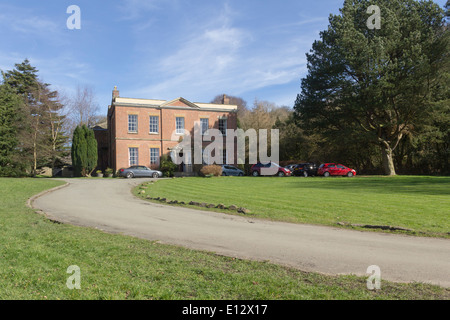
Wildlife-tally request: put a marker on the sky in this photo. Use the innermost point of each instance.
(165, 49)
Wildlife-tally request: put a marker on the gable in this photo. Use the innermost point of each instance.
(180, 102)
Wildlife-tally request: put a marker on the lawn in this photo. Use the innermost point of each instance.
(418, 203)
(35, 254)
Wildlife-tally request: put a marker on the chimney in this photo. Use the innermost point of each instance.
(225, 99)
(115, 93)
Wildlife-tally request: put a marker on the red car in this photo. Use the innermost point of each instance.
(335, 169)
(271, 168)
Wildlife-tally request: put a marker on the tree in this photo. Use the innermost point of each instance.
(378, 84)
(239, 102)
(263, 115)
(83, 107)
(40, 136)
(84, 151)
(10, 116)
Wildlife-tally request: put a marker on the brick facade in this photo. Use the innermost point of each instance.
(145, 140)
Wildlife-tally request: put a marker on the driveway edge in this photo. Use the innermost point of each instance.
(30, 200)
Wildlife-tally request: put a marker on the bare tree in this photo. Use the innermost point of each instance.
(263, 115)
(84, 107)
(239, 102)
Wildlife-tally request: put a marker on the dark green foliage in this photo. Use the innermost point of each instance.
(33, 137)
(84, 151)
(366, 90)
(79, 150)
(9, 118)
(23, 78)
(167, 166)
(91, 152)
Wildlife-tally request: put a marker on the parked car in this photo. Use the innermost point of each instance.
(305, 169)
(335, 169)
(139, 171)
(279, 171)
(290, 167)
(228, 170)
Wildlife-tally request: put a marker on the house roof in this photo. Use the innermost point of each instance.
(178, 103)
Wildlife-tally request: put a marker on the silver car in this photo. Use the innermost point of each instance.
(139, 171)
(231, 171)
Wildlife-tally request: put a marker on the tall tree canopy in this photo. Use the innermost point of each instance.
(36, 134)
(381, 84)
(10, 118)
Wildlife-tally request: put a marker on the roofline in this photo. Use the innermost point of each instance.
(200, 106)
(175, 108)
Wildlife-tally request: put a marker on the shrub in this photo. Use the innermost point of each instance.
(167, 166)
(211, 170)
(8, 171)
(109, 171)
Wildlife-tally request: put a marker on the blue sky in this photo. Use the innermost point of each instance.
(164, 49)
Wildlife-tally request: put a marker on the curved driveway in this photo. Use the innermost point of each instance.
(109, 205)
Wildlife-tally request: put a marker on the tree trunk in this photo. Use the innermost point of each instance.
(388, 159)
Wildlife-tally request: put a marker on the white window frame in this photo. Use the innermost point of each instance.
(133, 156)
(178, 129)
(154, 124)
(132, 124)
(154, 158)
(205, 125)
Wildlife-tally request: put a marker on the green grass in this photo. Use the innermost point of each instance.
(35, 254)
(419, 203)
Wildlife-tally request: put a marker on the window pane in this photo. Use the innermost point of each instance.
(180, 125)
(205, 125)
(154, 155)
(154, 124)
(134, 158)
(132, 123)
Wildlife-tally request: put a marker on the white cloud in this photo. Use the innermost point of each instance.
(220, 56)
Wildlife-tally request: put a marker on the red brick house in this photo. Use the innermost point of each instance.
(140, 130)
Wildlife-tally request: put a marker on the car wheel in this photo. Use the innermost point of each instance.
(350, 174)
(281, 174)
(241, 174)
(326, 174)
(255, 173)
(130, 175)
(224, 174)
(155, 175)
(305, 174)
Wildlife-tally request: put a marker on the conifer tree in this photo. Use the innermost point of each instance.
(377, 84)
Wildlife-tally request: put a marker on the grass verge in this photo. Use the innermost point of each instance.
(417, 203)
(35, 254)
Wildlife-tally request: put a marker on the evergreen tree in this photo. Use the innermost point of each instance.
(91, 152)
(10, 102)
(84, 151)
(39, 133)
(375, 84)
